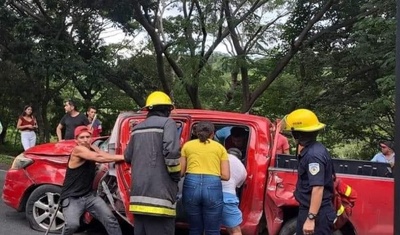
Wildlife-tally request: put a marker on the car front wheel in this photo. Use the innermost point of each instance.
(41, 207)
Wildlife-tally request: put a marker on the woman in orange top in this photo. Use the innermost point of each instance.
(27, 125)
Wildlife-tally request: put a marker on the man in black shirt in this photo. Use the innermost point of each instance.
(77, 195)
(70, 121)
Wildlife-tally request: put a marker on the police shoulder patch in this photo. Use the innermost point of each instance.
(313, 168)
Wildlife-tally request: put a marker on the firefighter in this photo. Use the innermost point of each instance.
(314, 189)
(153, 152)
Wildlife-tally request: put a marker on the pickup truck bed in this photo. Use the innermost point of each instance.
(343, 166)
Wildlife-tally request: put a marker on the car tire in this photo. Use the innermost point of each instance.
(289, 228)
(41, 207)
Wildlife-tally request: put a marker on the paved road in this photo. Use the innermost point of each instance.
(14, 223)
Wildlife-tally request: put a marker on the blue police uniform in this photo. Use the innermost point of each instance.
(315, 169)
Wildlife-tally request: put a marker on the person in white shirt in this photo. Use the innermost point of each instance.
(387, 154)
(231, 215)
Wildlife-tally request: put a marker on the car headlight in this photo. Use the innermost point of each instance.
(21, 162)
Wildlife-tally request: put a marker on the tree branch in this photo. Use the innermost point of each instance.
(41, 9)
(286, 59)
(203, 27)
(28, 11)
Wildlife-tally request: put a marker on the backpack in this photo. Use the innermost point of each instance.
(343, 201)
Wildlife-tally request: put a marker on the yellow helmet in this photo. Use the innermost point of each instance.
(302, 120)
(158, 98)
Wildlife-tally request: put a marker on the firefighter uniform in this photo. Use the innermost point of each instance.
(153, 152)
(315, 169)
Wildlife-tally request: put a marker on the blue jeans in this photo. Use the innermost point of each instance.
(74, 207)
(203, 202)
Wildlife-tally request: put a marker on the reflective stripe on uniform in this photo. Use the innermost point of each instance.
(348, 191)
(152, 210)
(158, 130)
(152, 201)
(340, 211)
(172, 162)
(174, 169)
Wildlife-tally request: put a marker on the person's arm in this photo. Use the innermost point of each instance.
(60, 126)
(171, 148)
(35, 125)
(183, 165)
(243, 175)
(316, 199)
(19, 127)
(225, 168)
(225, 171)
(316, 180)
(286, 146)
(97, 155)
(128, 154)
(58, 131)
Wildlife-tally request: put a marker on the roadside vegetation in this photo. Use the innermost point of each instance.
(263, 57)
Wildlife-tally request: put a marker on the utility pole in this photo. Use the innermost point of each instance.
(396, 170)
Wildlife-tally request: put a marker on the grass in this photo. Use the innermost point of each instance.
(10, 149)
(6, 160)
(7, 153)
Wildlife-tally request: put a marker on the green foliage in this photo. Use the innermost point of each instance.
(346, 75)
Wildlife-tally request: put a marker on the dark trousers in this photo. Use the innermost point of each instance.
(153, 225)
(74, 207)
(323, 223)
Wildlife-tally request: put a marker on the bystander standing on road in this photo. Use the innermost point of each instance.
(70, 121)
(27, 125)
(95, 124)
(386, 154)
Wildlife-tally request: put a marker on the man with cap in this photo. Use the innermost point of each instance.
(314, 188)
(231, 214)
(153, 152)
(387, 153)
(77, 195)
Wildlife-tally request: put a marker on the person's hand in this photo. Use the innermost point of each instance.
(309, 227)
(176, 177)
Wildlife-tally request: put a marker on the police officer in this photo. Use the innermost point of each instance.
(314, 189)
(153, 151)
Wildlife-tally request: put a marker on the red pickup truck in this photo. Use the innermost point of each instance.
(266, 198)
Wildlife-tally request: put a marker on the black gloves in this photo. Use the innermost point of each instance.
(176, 176)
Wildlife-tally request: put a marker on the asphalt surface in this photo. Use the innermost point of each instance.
(15, 223)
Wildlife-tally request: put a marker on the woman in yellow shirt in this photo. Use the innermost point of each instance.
(204, 163)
